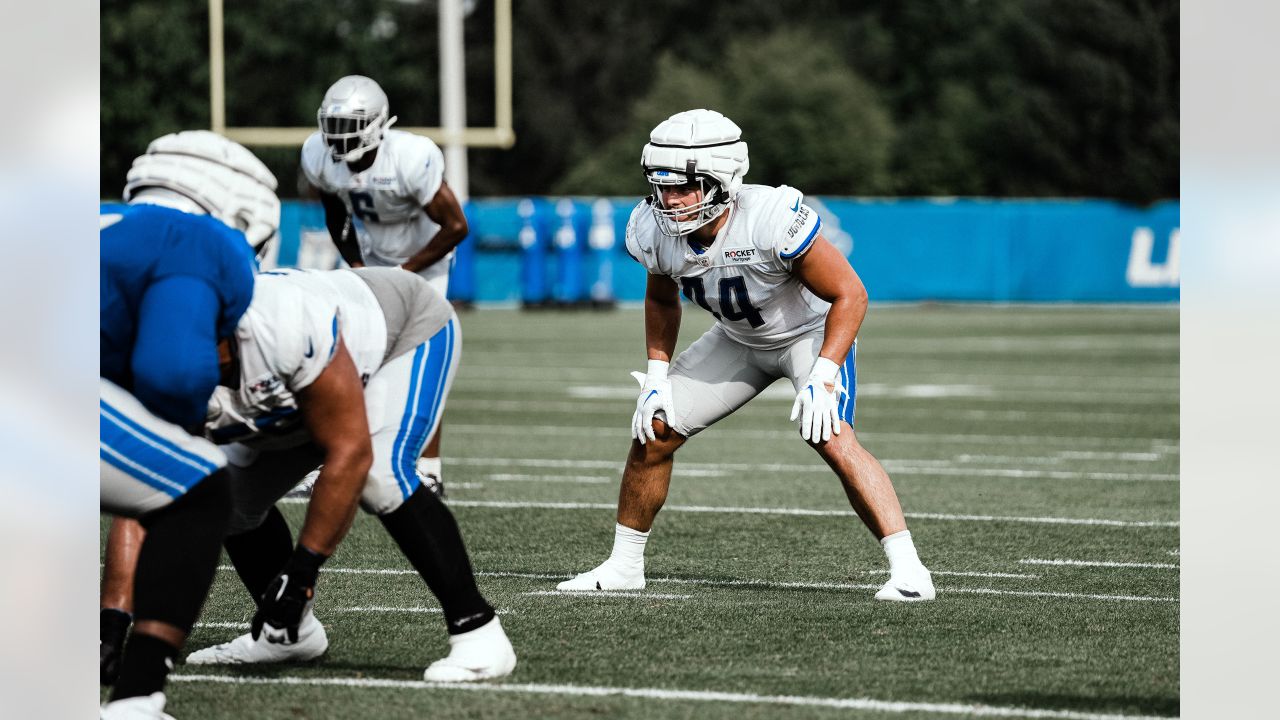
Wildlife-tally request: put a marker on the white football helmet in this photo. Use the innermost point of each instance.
(695, 146)
(353, 116)
(218, 175)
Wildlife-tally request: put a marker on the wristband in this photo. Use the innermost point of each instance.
(657, 370)
(304, 566)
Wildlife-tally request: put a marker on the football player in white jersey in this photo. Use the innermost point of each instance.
(352, 369)
(787, 304)
(385, 199)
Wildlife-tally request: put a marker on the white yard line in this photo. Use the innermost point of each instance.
(380, 609)
(1056, 458)
(1099, 564)
(617, 410)
(868, 704)
(1063, 595)
(1047, 520)
(779, 585)
(1024, 474)
(898, 391)
(894, 467)
(765, 584)
(577, 479)
(966, 573)
(613, 376)
(554, 576)
(804, 511)
(1092, 455)
(620, 430)
(508, 504)
(608, 593)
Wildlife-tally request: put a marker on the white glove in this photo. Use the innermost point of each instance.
(817, 404)
(655, 395)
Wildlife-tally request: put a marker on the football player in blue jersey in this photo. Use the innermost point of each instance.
(176, 275)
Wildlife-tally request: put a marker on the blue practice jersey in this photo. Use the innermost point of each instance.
(171, 285)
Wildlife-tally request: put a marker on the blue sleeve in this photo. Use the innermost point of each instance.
(175, 354)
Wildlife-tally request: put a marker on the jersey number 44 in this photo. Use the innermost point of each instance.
(735, 303)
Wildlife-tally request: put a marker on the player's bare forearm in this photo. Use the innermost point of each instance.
(438, 249)
(843, 321)
(333, 408)
(661, 317)
(445, 211)
(333, 503)
(827, 274)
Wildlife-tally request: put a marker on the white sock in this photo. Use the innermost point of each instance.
(628, 547)
(429, 466)
(901, 552)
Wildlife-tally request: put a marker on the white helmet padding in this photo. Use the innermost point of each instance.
(221, 176)
(695, 146)
(353, 116)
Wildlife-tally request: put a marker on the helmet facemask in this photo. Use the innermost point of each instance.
(713, 200)
(350, 135)
(703, 150)
(353, 116)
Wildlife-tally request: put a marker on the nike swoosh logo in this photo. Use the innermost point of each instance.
(310, 349)
(462, 621)
(796, 207)
(908, 593)
(651, 394)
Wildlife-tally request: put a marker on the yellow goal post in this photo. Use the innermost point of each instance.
(501, 135)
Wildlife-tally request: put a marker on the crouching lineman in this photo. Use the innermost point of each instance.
(301, 353)
(176, 275)
(787, 304)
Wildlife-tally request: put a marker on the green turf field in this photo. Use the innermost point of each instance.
(1035, 451)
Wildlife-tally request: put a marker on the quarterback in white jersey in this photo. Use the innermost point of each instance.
(386, 203)
(787, 304)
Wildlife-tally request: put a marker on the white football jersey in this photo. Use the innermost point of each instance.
(385, 201)
(285, 340)
(744, 278)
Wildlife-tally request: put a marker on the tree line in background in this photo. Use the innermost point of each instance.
(1003, 98)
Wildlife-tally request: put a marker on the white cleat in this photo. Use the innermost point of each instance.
(244, 650)
(143, 707)
(481, 654)
(904, 587)
(605, 577)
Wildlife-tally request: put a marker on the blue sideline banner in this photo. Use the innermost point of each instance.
(570, 250)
